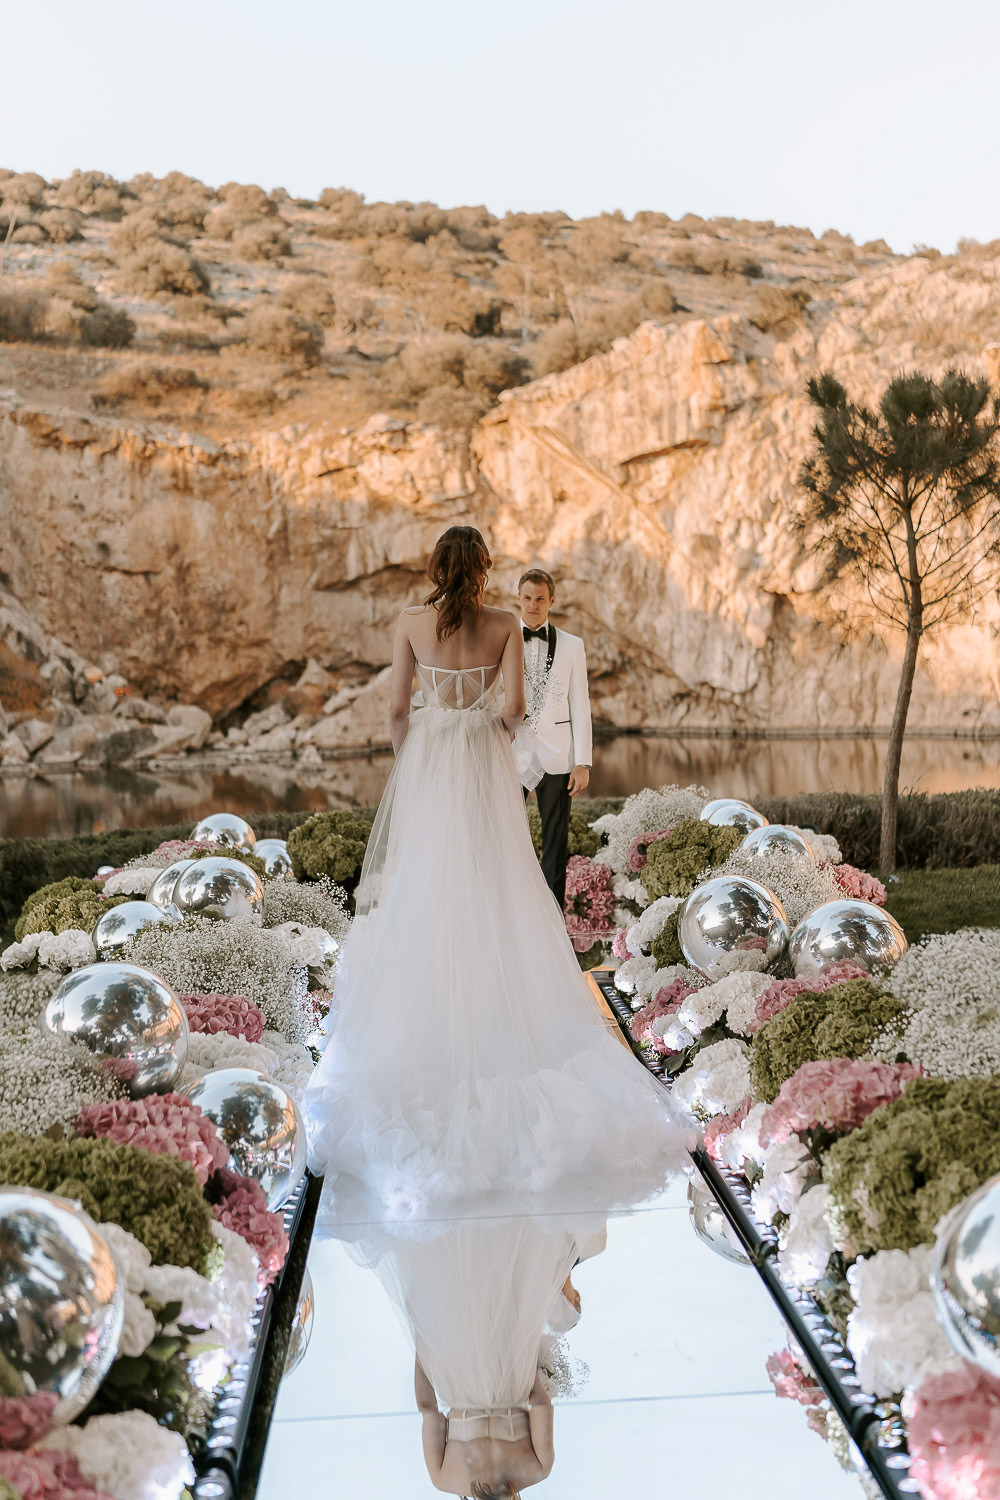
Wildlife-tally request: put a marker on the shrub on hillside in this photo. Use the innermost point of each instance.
(158, 268)
(148, 385)
(61, 225)
(22, 317)
(776, 307)
(91, 193)
(276, 331)
(266, 239)
(22, 190)
(29, 234)
(310, 297)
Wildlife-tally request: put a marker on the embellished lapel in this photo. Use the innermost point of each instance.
(550, 648)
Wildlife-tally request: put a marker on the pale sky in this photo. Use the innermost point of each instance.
(873, 117)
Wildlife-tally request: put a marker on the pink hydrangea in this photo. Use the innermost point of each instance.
(667, 1000)
(638, 850)
(168, 1124)
(619, 947)
(793, 1382)
(232, 1013)
(26, 1419)
(835, 1095)
(172, 850)
(859, 885)
(953, 1433)
(243, 1208)
(721, 1126)
(778, 994)
(42, 1475)
(590, 902)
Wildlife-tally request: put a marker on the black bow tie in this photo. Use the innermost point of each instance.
(539, 635)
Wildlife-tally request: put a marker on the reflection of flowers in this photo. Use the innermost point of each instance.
(590, 902)
(25, 1419)
(41, 1475)
(243, 1208)
(953, 1433)
(793, 1381)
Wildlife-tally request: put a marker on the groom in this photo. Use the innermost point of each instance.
(555, 666)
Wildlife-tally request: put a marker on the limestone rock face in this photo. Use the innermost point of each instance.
(657, 481)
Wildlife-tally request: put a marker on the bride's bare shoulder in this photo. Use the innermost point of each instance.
(500, 616)
(415, 609)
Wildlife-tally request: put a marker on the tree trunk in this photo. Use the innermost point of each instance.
(890, 787)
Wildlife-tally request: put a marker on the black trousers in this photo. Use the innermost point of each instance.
(554, 804)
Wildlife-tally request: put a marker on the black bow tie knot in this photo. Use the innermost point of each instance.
(541, 634)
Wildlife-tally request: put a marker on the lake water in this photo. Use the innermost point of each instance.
(92, 801)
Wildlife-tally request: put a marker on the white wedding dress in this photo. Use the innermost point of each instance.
(466, 1053)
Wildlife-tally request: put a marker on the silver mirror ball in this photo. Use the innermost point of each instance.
(161, 892)
(277, 860)
(776, 837)
(260, 1123)
(220, 888)
(731, 923)
(225, 828)
(839, 930)
(966, 1277)
(127, 1018)
(731, 812)
(119, 924)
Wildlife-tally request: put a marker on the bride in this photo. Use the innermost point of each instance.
(466, 1054)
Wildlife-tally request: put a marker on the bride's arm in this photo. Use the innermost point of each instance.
(403, 663)
(433, 1433)
(512, 671)
(540, 1424)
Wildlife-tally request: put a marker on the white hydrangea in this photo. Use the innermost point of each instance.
(307, 945)
(799, 883)
(288, 1063)
(71, 949)
(628, 974)
(823, 845)
(133, 880)
(644, 932)
(20, 955)
(893, 1333)
(128, 1454)
(630, 888)
(787, 1166)
(236, 1291)
(645, 812)
(656, 979)
(713, 1001)
(138, 1327)
(807, 1243)
(675, 1034)
(292, 1064)
(741, 1147)
(718, 1080)
(131, 1255)
(740, 993)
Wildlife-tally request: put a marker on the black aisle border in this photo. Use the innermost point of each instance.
(871, 1425)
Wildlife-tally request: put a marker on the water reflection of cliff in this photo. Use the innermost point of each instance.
(90, 801)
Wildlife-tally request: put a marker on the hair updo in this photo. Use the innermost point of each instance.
(458, 569)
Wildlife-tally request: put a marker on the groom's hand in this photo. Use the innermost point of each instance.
(579, 780)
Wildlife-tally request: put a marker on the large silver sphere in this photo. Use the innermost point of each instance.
(846, 929)
(161, 892)
(119, 924)
(220, 888)
(711, 1225)
(260, 1123)
(128, 1018)
(966, 1277)
(731, 923)
(225, 828)
(277, 860)
(730, 812)
(61, 1300)
(302, 1325)
(775, 837)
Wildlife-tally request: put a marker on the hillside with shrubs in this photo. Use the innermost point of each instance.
(230, 308)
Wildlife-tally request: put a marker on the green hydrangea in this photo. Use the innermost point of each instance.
(157, 1198)
(843, 1021)
(72, 902)
(913, 1160)
(222, 851)
(666, 947)
(674, 865)
(331, 843)
(582, 838)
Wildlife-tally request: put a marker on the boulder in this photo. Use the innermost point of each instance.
(70, 745)
(161, 739)
(265, 719)
(355, 718)
(195, 721)
(13, 751)
(281, 738)
(34, 733)
(141, 710)
(311, 691)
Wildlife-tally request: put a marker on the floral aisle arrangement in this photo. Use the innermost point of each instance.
(195, 1241)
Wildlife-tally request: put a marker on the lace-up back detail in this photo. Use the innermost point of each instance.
(457, 687)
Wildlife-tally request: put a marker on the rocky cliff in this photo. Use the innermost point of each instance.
(657, 481)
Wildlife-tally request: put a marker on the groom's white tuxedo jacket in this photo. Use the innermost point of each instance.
(564, 723)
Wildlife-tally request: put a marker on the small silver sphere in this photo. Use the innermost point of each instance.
(302, 1326)
(731, 923)
(221, 888)
(161, 892)
(61, 1300)
(840, 930)
(104, 870)
(128, 1018)
(730, 812)
(711, 1225)
(277, 860)
(966, 1277)
(260, 1123)
(776, 837)
(119, 924)
(228, 829)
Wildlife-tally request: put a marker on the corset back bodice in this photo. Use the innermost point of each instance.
(459, 688)
(508, 1423)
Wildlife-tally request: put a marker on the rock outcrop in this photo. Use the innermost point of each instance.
(657, 481)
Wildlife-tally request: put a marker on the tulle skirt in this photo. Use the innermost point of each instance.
(466, 1053)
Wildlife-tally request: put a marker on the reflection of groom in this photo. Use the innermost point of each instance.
(562, 720)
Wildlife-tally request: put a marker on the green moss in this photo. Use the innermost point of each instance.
(666, 948)
(332, 844)
(912, 1161)
(157, 1198)
(843, 1021)
(926, 901)
(674, 864)
(67, 903)
(582, 838)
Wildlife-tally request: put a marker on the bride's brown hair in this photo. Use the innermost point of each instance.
(458, 568)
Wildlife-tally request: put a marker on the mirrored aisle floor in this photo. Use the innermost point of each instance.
(677, 1401)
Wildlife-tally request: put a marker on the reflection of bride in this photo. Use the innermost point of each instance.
(468, 1055)
(477, 1302)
